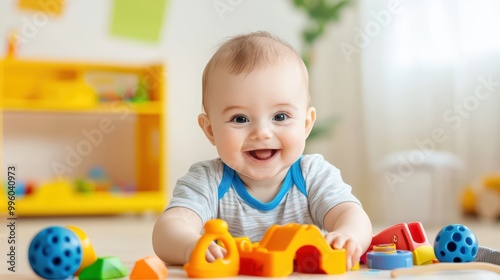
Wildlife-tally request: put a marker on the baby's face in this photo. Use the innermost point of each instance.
(259, 121)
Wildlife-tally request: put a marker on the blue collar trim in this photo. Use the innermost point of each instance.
(293, 176)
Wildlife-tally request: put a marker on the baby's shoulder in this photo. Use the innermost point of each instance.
(311, 161)
(314, 164)
(211, 169)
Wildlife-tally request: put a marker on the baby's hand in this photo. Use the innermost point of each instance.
(352, 248)
(214, 252)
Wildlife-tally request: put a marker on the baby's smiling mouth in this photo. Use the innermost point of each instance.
(262, 154)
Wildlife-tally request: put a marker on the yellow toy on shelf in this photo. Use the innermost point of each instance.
(30, 86)
(60, 198)
(483, 198)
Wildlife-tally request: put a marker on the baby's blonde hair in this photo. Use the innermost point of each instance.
(244, 53)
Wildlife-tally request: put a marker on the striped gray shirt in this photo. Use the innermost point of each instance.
(198, 191)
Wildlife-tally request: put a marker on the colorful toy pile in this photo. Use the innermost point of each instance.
(455, 248)
(407, 238)
(302, 248)
(63, 252)
(272, 257)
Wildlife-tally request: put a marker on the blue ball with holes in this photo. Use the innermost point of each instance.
(455, 243)
(55, 253)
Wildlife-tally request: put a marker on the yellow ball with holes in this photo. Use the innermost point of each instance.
(89, 256)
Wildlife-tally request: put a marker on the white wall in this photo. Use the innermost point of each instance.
(191, 33)
(336, 91)
(194, 30)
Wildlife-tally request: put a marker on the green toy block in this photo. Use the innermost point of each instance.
(104, 268)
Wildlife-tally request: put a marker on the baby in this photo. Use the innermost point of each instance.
(257, 114)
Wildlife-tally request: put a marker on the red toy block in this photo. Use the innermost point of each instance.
(30, 187)
(149, 268)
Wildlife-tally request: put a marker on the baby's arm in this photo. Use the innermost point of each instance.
(175, 235)
(348, 227)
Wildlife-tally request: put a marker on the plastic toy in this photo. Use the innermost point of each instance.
(407, 237)
(198, 267)
(386, 257)
(455, 243)
(62, 198)
(149, 268)
(424, 255)
(272, 257)
(483, 198)
(89, 256)
(53, 93)
(142, 92)
(488, 255)
(55, 253)
(104, 268)
(30, 187)
(21, 189)
(100, 178)
(445, 266)
(59, 253)
(99, 181)
(118, 86)
(84, 186)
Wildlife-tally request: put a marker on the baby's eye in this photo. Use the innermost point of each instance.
(239, 119)
(280, 117)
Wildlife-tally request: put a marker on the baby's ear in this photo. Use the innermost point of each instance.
(310, 119)
(206, 126)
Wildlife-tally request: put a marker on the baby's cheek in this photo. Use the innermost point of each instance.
(294, 139)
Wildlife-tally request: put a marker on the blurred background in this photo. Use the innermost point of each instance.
(407, 95)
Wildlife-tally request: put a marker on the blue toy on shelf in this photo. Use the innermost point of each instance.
(455, 243)
(55, 253)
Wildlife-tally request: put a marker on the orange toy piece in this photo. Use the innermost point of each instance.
(198, 267)
(149, 268)
(274, 255)
(409, 237)
(89, 255)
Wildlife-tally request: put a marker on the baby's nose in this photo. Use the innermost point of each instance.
(260, 132)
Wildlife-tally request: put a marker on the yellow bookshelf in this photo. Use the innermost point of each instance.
(86, 88)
